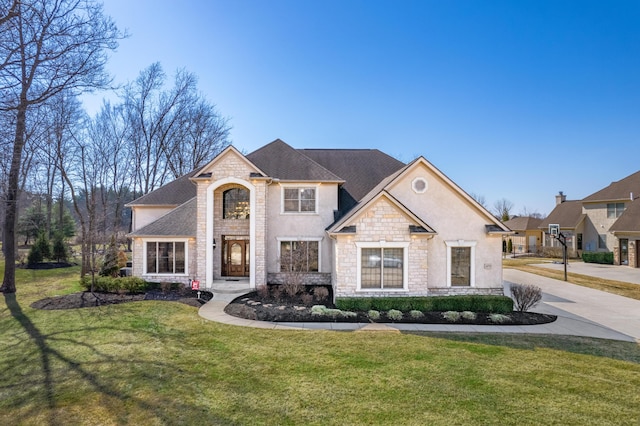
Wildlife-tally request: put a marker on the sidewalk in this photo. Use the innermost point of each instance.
(561, 299)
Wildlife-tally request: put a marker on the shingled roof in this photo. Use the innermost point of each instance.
(567, 214)
(619, 190)
(173, 193)
(361, 169)
(177, 223)
(629, 221)
(523, 223)
(281, 161)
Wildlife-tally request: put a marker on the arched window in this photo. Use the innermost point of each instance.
(235, 203)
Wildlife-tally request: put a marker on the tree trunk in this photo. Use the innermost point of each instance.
(9, 245)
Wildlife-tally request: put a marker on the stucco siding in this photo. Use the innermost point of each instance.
(454, 218)
(144, 215)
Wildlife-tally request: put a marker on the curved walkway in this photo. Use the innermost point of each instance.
(580, 313)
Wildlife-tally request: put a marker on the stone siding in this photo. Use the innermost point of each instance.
(316, 278)
(385, 223)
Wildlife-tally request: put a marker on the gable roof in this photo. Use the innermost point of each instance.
(387, 182)
(201, 172)
(176, 223)
(279, 160)
(629, 221)
(523, 223)
(422, 228)
(567, 214)
(173, 193)
(619, 190)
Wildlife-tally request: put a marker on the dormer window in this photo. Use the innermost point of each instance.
(235, 203)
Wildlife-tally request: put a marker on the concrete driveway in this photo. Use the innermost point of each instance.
(586, 309)
(609, 272)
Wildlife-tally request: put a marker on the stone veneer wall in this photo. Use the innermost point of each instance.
(315, 278)
(138, 264)
(232, 165)
(382, 221)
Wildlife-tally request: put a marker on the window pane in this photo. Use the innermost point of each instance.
(611, 210)
(180, 258)
(371, 268)
(285, 256)
(307, 206)
(151, 258)
(308, 194)
(235, 203)
(392, 268)
(602, 241)
(165, 258)
(291, 205)
(460, 265)
(313, 256)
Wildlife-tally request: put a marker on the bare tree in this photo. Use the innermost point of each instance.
(502, 209)
(531, 213)
(173, 131)
(48, 46)
(479, 198)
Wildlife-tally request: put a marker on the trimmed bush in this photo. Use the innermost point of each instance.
(474, 303)
(394, 315)
(605, 258)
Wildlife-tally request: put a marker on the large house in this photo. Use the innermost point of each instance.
(356, 219)
(606, 221)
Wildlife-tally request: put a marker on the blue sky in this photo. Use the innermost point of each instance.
(510, 99)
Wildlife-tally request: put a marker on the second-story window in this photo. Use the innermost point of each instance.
(614, 210)
(300, 200)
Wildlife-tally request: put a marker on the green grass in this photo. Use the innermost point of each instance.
(527, 264)
(160, 363)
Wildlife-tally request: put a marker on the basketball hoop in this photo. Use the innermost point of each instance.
(554, 229)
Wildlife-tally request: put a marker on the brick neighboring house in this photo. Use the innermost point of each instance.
(527, 236)
(366, 224)
(606, 221)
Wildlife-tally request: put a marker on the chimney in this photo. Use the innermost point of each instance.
(560, 198)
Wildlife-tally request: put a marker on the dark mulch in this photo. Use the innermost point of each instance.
(87, 299)
(48, 265)
(252, 307)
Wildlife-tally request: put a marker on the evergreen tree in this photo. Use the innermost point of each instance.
(60, 251)
(110, 265)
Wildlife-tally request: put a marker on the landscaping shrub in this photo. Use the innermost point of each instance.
(60, 250)
(416, 314)
(605, 258)
(373, 315)
(320, 293)
(499, 318)
(525, 296)
(291, 288)
(116, 285)
(394, 315)
(468, 315)
(474, 303)
(452, 316)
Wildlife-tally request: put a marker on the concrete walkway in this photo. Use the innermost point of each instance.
(581, 312)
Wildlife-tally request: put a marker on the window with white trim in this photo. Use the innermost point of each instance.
(165, 257)
(461, 263)
(299, 199)
(382, 266)
(299, 256)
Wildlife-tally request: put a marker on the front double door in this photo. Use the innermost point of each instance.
(235, 257)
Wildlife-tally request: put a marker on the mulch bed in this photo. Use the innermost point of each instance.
(87, 299)
(253, 308)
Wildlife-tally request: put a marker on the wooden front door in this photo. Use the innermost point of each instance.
(235, 258)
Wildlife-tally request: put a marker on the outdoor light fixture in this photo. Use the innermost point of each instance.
(214, 243)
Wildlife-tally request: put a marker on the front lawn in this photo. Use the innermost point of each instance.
(157, 362)
(527, 264)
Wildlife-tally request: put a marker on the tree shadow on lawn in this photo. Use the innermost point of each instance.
(28, 384)
(614, 349)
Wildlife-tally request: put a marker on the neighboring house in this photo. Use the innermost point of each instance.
(361, 221)
(527, 236)
(606, 221)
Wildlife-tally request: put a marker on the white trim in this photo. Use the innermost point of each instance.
(318, 239)
(383, 244)
(462, 243)
(165, 240)
(284, 186)
(210, 228)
